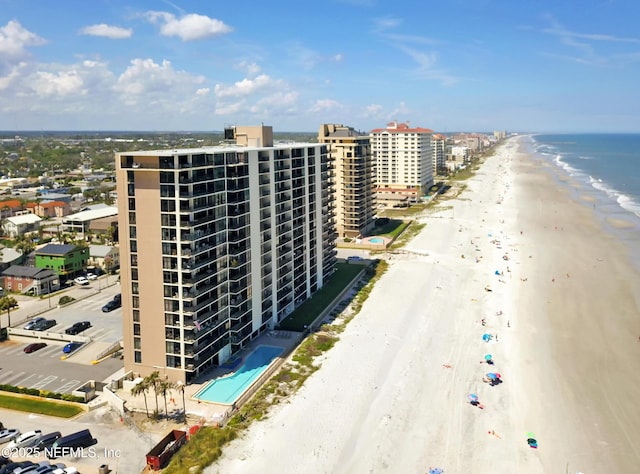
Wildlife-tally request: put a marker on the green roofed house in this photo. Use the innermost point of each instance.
(64, 259)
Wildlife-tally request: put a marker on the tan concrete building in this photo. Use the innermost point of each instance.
(354, 178)
(217, 245)
(404, 160)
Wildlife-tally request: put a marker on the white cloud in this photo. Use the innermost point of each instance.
(250, 68)
(326, 105)
(59, 84)
(145, 77)
(246, 86)
(14, 39)
(203, 91)
(107, 31)
(189, 27)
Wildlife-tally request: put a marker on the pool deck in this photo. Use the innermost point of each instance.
(210, 412)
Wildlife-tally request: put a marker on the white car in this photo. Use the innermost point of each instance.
(25, 440)
(92, 276)
(81, 280)
(8, 435)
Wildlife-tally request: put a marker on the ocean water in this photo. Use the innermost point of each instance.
(606, 169)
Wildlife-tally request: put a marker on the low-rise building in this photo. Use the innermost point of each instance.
(52, 209)
(79, 223)
(106, 257)
(23, 279)
(64, 259)
(10, 207)
(19, 225)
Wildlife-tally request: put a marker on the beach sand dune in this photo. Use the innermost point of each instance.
(559, 300)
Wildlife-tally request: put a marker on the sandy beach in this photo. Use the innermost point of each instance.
(561, 303)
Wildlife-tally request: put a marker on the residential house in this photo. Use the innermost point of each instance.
(106, 257)
(9, 256)
(39, 281)
(64, 259)
(10, 208)
(19, 225)
(52, 209)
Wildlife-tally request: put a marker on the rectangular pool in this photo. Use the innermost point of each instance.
(227, 390)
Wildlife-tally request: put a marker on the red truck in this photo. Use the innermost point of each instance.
(162, 452)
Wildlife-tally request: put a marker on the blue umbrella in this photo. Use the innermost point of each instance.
(486, 337)
(435, 470)
(473, 397)
(488, 357)
(492, 376)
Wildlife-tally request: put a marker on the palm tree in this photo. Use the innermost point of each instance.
(164, 386)
(153, 380)
(141, 388)
(7, 303)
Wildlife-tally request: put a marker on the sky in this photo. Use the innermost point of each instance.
(196, 65)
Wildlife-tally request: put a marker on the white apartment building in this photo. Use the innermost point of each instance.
(438, 143)
(217, 245)
(404, 160)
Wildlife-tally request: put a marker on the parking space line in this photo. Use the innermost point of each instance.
(21, 382)
(45, 381)
(15, 376)
(8, 375)
(67, 386)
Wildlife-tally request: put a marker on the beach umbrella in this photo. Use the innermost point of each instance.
(473, 397)
(488, 357)
(435, 470)
(486, 337)
(492, 376)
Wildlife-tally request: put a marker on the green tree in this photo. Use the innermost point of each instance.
(142, 389)
(153, 381)
(164, 386)
(7, 303)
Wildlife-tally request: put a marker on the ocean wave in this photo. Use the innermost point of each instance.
(624, 201)
(566, 166)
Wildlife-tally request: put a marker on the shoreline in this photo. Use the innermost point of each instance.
(392, 393)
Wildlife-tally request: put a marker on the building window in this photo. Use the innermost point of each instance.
(135, 301)
(134, 288)
(137, 344)
(134, 245)
(132, 218)
(132, 204)
(137, 357)
(136, 315)
(134, 274)
(134, 260)
(132, 232)
(136, 329)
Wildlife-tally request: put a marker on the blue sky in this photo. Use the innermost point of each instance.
(469, 65)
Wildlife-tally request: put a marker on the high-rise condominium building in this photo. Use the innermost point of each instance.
(404, 160)
(438, 143)
(217, 245)
(352, 159)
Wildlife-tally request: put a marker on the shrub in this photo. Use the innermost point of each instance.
(65, 299)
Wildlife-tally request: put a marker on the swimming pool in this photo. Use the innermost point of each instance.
(226, 390)
(376, 240)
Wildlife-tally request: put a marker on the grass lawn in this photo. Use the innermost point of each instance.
(311, 309)
(42, 407)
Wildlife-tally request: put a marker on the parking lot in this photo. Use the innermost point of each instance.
(46, 368)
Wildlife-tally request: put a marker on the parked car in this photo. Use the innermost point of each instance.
(34, 322)
(44, 325)
(8, 435)
(78, 327)
(72, 346)
(25, 439)
(80, 439)
(36, 346)
(92, 276)
(111, 305)
(81, 280)
(47, 440)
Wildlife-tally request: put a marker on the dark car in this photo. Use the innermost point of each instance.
(46, 440)
(36, 346)
(34, 322)
(78, 327)
(111, 305)
(44, 325)
(72, 346)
